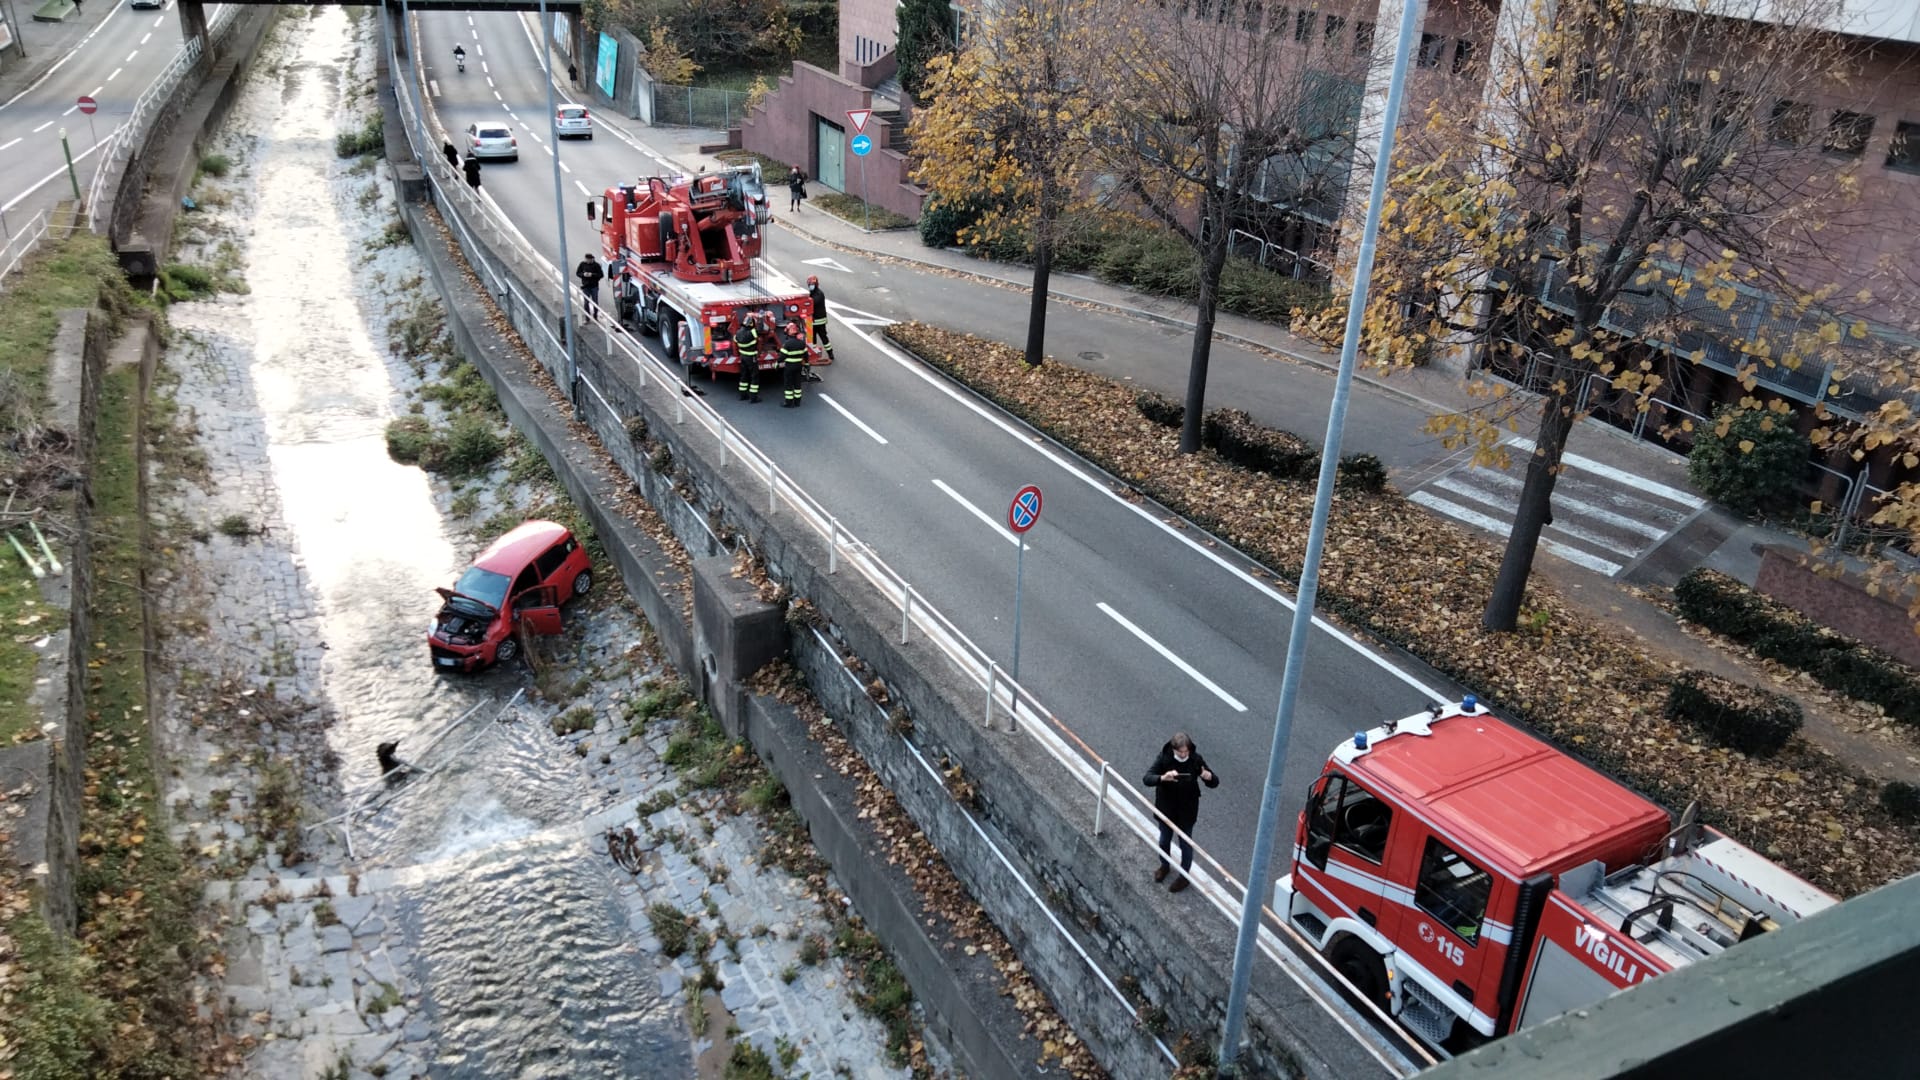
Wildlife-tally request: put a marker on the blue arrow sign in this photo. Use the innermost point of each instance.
(862, 145)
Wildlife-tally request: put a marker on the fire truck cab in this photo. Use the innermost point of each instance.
(1472, 880)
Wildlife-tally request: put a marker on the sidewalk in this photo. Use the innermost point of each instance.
(46, 44)
(1714, 538)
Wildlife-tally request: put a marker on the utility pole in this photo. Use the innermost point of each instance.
(560, 226)
(1243, 951)
(72, 177)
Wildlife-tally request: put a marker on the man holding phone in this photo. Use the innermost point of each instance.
(1175, 778)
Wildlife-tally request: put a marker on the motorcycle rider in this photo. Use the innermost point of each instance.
(460, 56)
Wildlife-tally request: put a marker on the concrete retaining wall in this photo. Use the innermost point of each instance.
(1025, 851)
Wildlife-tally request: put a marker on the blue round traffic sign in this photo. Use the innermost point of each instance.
(1025, 510)
(862, 145)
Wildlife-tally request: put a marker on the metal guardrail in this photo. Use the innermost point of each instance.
(124, 138)
(481, 229)
(22, 243)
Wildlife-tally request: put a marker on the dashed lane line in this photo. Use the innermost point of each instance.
(1169, 655)
(852, 419)
(1005, 533)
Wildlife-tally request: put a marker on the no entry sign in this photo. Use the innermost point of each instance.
(87, 104)
(1025, 510)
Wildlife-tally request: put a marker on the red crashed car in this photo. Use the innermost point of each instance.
(523, 576)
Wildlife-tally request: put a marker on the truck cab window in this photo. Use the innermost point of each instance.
(1349, 816)
(1453, 890)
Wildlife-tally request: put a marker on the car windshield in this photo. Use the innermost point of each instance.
(483, 585)
(572, 114)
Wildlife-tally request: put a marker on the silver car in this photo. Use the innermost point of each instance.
(494, 141)
(572, 122)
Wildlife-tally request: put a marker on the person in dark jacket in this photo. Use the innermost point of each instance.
(453, 156)
(796, 188)
(472, 168)
(1175, 778)
(819, 297)
(589, 273)
(793, 366)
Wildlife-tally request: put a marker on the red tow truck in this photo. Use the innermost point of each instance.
(1472, 880)
(691, 244)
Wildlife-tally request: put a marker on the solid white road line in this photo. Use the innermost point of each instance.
(1472, 517)
(1005, 533)
(854, 420)
(1172, 659)
(1618, 476)
(54, 175)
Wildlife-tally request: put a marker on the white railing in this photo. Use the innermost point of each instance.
(1001, 697)
(22, 243)
(121, 141)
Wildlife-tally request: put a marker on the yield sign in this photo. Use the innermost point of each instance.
(859, 118)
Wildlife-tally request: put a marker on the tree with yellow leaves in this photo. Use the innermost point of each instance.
(1012, 125)
(1635, 188)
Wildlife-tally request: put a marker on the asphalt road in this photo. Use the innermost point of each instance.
(113, 64)
(1132, 628)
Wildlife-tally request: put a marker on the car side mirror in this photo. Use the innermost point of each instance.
(590, 210)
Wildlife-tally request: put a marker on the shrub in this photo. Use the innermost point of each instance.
(1235, 436)
(941, 222)
(1249, 289)
(1901, 800)
(1754, 465)
(369, 139)
(1870, 675)
(472, 445)
(182, 282)
(1362, 473)
(1160, 408)
(408, 439)
(672, 927)
(216, 164)
(1744, 718)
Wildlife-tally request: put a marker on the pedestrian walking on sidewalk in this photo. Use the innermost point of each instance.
(747, 344)
(589, 273)
(796, 188)
(453, 155)
(472, 167)
(793, 366)
(1175, 778)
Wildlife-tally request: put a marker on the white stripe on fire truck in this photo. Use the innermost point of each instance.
(1490, 929)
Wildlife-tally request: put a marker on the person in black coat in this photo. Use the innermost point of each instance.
(590, 273)
(453, 156)
(1175, 778)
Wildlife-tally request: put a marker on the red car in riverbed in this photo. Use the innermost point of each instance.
(522, 577)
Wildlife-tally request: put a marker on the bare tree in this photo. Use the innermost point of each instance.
(1224, 120)
(1638, 185)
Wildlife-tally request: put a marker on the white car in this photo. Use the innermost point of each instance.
(149, 4)
(572, 121)
(492, 141)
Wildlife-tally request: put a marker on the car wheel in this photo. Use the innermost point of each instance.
(1362, 967)
(669, 334)
(582, 582)
(504, 652)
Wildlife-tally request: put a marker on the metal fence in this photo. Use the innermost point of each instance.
(622, 380)
(697, 107)
(43, 224)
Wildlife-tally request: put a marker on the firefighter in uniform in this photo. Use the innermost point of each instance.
(747, 344)
(819, 316)
(793, 366)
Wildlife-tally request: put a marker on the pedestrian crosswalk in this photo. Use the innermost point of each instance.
(1604, 518)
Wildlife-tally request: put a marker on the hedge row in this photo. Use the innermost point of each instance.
(1744, 718)
(1240, 439)
(1777, 632)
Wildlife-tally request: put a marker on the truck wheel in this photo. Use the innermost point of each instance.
(669, 335)
(1362, 967)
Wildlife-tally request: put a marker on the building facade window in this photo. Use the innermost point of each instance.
(1463, 58)
(1903, 153)
(1847, 133)
(1303, 27)
(1282, 20)
(1790, 121)
(1336, 29)
(1256, 13)
(1432, 48)
(1363, 39)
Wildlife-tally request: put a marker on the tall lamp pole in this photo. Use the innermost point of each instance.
(1230, 1036)
(560, 224)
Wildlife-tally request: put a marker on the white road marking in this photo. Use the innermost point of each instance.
(855, 421)
(1560, 525)
(490, 82)
(96, 91)
(55, 174)
(60, 63)
(4, 145)
(1005, 533)
(147, 38)
(433, 87)
(1618, 476)
(1192, 673)
(130, 56)
(565, 168)
(159, 20)
(1100, 484)
(1472, 517)
(828, 263)
(71, 109)
(583, 189)
(469, 20)
(43, 127)
(115, 75)
(1513, 485)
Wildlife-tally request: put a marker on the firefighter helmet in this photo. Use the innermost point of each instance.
(812, 280)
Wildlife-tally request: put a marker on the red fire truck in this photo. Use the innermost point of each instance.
(1472, 880)
(691, 244)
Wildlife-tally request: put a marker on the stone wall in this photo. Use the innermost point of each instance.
(1841, 602)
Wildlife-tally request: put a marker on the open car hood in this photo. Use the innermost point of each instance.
(448, 598)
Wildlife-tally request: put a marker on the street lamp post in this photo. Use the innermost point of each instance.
(72, 177)
(560, 225)
(1316, 540)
